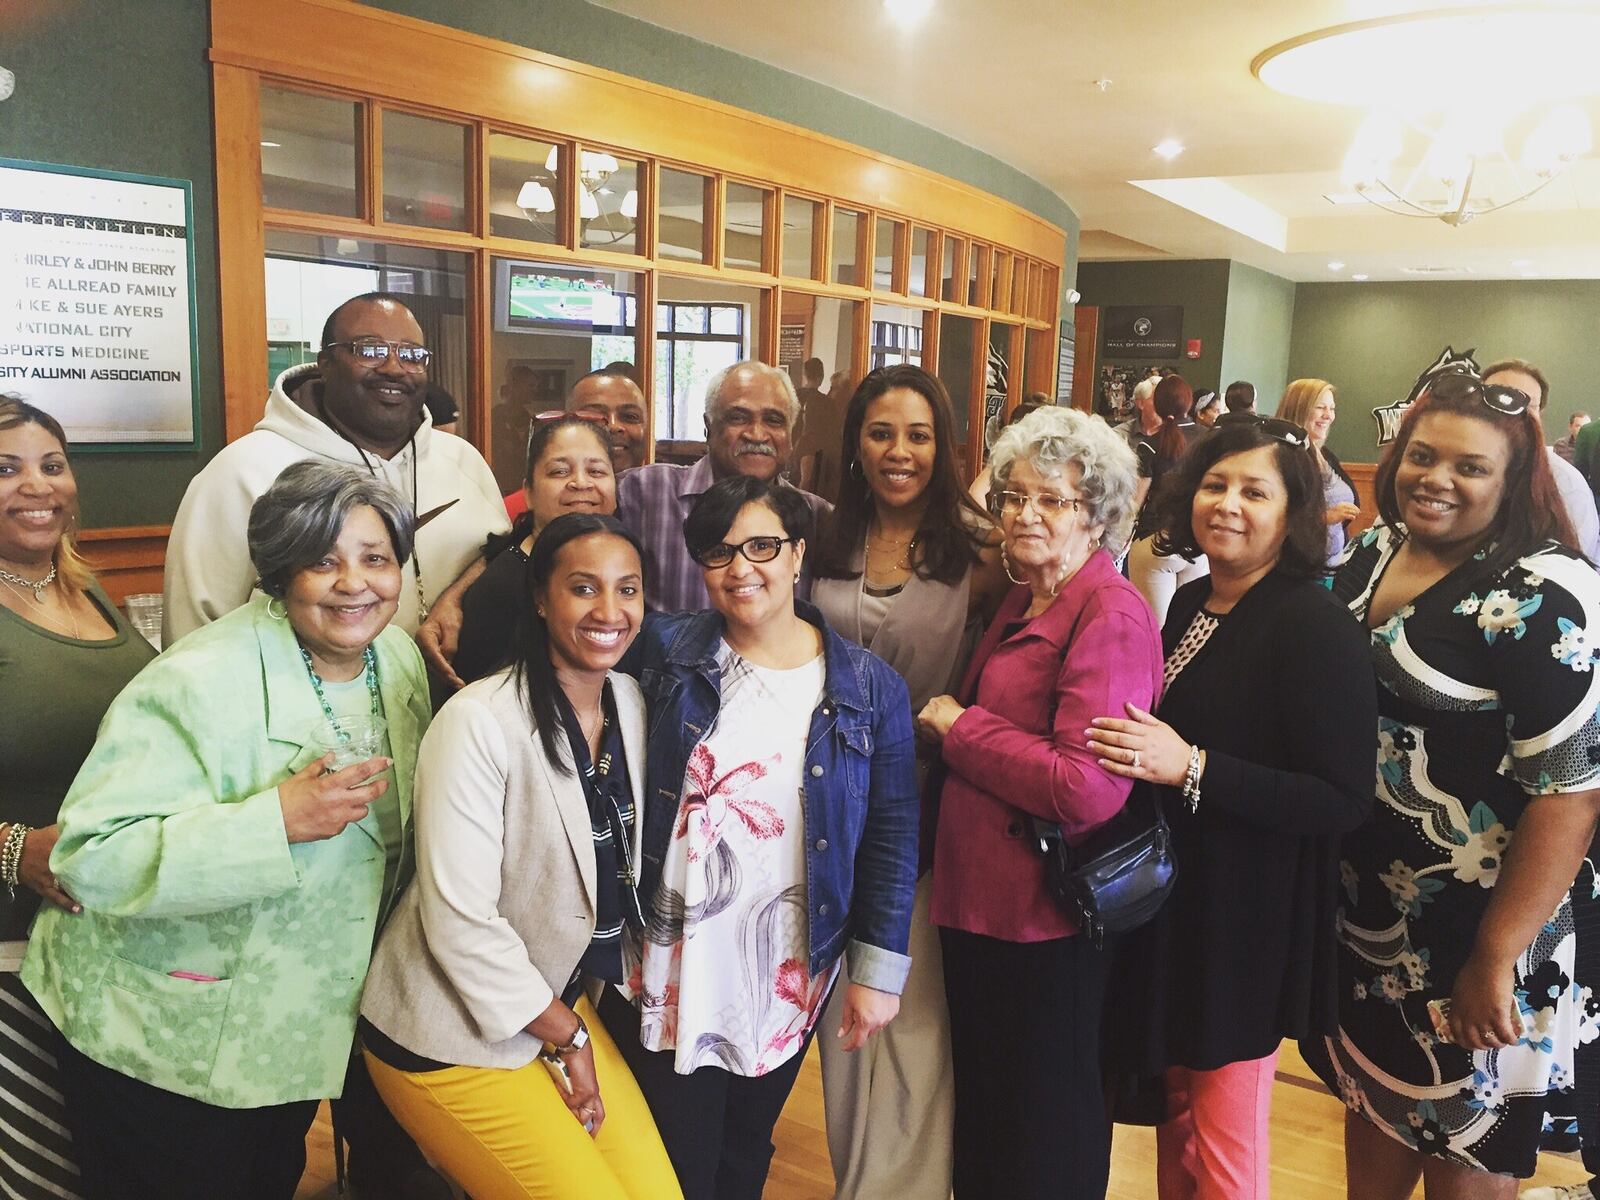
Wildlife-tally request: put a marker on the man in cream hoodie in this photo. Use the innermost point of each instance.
(359, 403)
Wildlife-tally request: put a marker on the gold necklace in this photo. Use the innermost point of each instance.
(39, 604)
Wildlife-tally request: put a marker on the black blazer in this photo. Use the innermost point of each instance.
(1283, 700)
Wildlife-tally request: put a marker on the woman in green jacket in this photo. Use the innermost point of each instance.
(236, 838)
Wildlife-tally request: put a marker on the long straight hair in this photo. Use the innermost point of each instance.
(534, 673)
(71, 569)
(952, 529)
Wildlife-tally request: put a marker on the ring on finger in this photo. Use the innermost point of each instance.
(1135, 760)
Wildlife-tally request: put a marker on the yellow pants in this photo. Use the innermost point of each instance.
(506, 1135)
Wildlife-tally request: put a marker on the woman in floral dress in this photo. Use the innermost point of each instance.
(1458, 890)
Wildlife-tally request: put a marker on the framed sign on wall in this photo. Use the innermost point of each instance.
(1142, 331)
(97, 320)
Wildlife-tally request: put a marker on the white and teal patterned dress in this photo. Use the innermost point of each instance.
(1487, 697)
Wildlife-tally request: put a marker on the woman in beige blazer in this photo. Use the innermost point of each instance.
(529, 808)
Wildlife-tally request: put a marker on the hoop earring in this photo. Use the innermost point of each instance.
(856, 471)
(1005, 561)
(282, 612)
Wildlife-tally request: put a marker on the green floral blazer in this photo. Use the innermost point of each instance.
(212, 958)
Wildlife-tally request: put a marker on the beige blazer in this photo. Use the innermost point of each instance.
(503, 903)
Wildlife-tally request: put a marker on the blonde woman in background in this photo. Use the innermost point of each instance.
(1310, 404)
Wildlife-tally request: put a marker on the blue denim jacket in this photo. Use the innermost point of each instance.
(860, 790)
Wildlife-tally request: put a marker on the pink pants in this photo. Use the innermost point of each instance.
(1215, 1145)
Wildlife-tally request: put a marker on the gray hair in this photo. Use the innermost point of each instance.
(299, 518)
(1144, 389)
(760, 370)
(1051, 439)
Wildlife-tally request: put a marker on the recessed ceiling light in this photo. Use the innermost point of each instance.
(1336, 266)
(907, 12)
(1168, 148)
(270, 145)
(1359, 278)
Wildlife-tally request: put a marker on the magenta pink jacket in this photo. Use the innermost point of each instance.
(1019, 748)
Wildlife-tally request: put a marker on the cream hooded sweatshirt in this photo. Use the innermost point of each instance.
(208, 569)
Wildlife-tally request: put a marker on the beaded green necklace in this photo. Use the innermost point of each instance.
(369, 661)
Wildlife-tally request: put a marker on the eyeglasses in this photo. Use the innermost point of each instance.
(1046, 504)
(375, 350)
(560, 414)
(1457, 385)
(755, 550)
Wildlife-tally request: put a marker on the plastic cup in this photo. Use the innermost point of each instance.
(144, 614)
(352, 740)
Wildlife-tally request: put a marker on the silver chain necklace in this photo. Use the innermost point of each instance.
(38, 588)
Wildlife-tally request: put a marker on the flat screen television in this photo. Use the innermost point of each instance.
(537, 298)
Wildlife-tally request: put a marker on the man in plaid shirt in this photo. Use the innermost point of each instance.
(751, 409)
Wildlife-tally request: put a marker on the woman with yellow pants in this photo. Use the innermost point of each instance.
(475, 1022)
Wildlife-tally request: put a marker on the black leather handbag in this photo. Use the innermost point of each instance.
(1116, 878)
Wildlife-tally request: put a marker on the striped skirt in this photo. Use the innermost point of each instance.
(35, 1148)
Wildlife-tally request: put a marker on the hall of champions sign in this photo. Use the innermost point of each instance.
(97, 301)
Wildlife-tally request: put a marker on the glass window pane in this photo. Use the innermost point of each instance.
(896, 336)
(977, 273)
(744, 227)
(681, 216)
(949, 285)
(885, 246)
(608, 202)
(424, 171)
(308, 277)
(816, 345)
(917, 269)
(799, 224)
(308, 152)
(957, 336)
(553, 324)
(1000, 280)
(525, 192)
(846, 236)
(727, 318)
(997, 378)
(1037, 363)
(687, 359)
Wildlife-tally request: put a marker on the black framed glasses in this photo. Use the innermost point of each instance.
(1046, 504)
(756, 550)
(1457, 385)
(375, 350)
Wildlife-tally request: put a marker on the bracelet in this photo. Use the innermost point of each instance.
(1191, 780)
(11, 855)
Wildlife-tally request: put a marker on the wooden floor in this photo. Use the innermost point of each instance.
(1307, 1147)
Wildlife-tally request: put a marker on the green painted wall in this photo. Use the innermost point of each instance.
(1255, 341)
(1201, 287)
(125, 87)
(1372, 339)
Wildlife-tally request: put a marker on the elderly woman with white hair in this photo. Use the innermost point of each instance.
(235, 839)
(1072, 641)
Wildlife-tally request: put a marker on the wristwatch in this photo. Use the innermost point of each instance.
(580, 1039)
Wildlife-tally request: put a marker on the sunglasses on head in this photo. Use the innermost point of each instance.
(1276, 428)
(1455, 385)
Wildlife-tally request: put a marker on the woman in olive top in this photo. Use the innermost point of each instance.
(65, 653)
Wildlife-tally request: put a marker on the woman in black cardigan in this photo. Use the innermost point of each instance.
(1262, 757)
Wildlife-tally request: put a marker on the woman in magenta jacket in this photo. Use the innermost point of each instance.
(1024, 987)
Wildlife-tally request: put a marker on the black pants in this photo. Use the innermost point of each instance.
(716, 1126)
(139, 1142)
(1025, 1047)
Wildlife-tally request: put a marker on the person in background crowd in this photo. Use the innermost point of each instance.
(791, 848)
(750, 414)
(1260, 755)
(1071, 641)
(979, 491)
(907, 566)
(65, 653)
(569, 471)
(614, 399)
(360, 403)
(1240, 397)
(816, 443)
(442, 408)
(1576, 496)
(1207, 408)
(1467, 953)
(1565, 446)
(1158, 576)
(1310, 404)
(530, 803)
(231, 881)
(1145, 422)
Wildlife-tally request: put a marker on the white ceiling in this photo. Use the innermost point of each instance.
(1016, 78)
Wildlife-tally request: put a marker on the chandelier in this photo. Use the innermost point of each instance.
(595, 169)
(1441, 120)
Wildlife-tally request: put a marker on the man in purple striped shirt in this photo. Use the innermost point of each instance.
(751, 409)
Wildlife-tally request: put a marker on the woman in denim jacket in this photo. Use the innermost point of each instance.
(786, 842)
